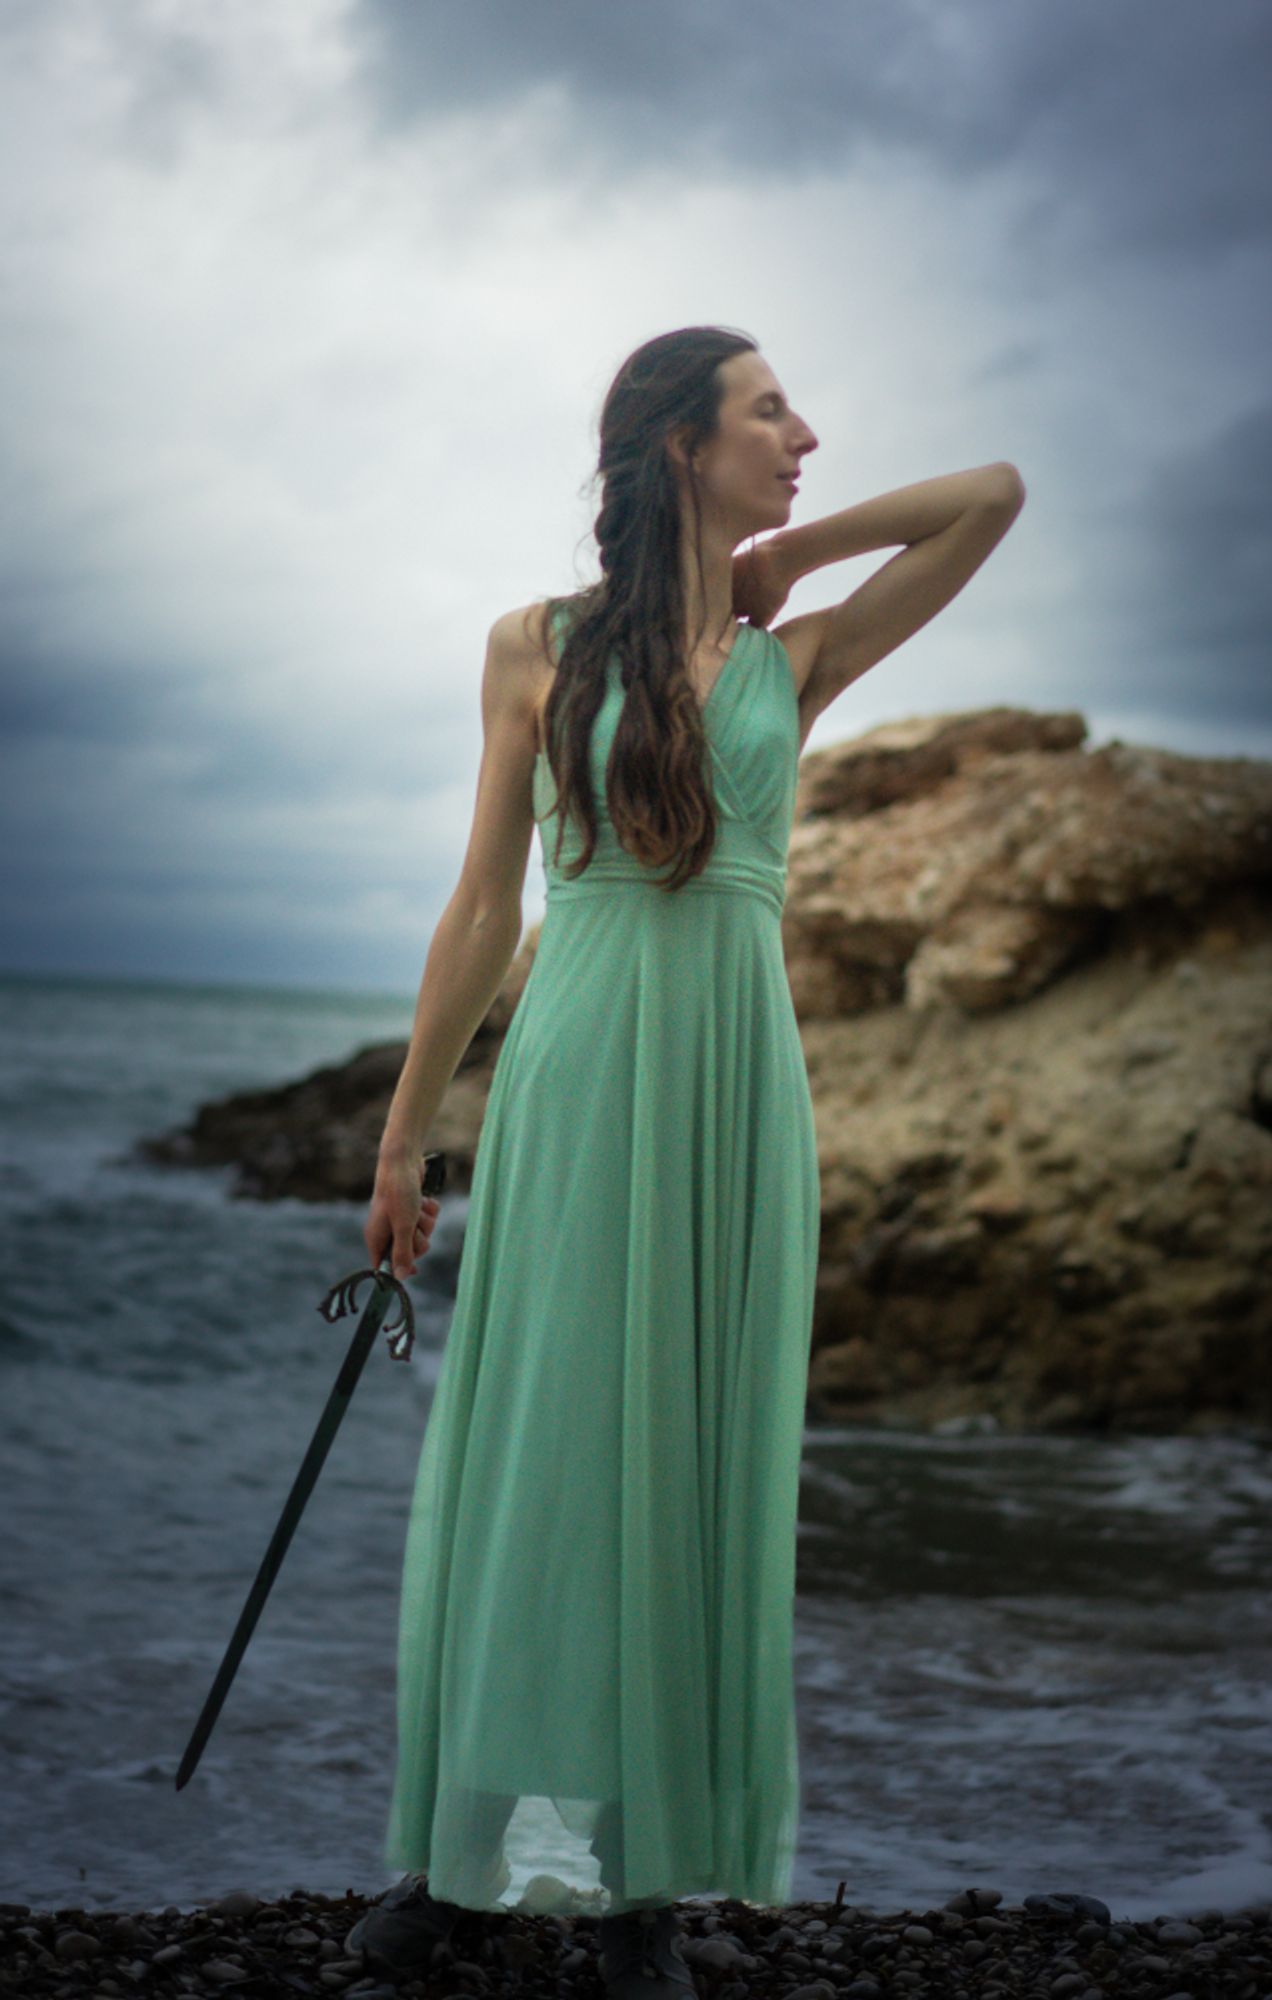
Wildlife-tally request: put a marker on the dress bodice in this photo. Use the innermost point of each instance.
(751, 720)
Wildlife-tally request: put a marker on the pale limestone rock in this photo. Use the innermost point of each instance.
(969, 859)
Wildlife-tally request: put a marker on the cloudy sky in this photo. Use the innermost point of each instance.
(307, 314)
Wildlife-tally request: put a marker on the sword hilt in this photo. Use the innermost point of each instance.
(343, 1296)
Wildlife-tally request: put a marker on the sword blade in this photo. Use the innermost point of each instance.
(311, 1465)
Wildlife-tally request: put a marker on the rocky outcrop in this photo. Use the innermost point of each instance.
(1061, 1212)
(1034, 987)
(970, 859)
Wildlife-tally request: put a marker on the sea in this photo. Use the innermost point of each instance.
(1033, 1664)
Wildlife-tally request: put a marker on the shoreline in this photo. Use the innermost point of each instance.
(1063, 1945)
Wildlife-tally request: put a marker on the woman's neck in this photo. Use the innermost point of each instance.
(709, 611)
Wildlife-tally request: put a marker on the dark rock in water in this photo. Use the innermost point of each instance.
(317, 1139)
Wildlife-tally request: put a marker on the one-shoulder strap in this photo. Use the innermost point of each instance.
(782, 663)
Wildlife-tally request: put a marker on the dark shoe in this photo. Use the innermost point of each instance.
(397, 1936)
(640, 1956)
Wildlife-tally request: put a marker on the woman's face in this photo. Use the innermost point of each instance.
(746, 472)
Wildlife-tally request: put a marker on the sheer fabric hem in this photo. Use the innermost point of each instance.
(492, 1852)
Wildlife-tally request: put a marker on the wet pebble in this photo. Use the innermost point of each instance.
(76, 1944)
(1063, 1903)
(973, 1902)
(1179, 1933)
(239, 1903)
(715, 1953)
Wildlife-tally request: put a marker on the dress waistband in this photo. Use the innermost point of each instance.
(732, 877)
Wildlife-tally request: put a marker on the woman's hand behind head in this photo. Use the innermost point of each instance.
(761, 582)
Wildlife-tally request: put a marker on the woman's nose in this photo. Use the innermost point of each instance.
(808, 439)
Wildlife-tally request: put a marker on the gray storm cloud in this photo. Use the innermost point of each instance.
(1208, 518)
(1148, 119)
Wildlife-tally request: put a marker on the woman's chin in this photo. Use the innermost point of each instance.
(775, 516)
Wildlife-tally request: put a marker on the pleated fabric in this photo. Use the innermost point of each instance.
(595, 1696)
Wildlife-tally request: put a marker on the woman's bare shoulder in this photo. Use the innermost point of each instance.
(520, 636)
(520, 668)
(530, 635)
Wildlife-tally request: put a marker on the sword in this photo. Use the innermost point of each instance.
(341, 1299)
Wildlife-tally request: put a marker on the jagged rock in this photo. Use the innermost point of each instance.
(1108, 1141)
(970, 858)
(1034, 988)
(317, 1139)
(902, 760)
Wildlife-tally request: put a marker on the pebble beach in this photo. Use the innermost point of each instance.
(1052, 1946)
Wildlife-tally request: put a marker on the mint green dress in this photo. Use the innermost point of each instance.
(595, 1691)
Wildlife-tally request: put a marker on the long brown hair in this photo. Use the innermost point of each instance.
(656, 786)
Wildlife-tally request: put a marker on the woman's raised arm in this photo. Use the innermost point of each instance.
(949, 525)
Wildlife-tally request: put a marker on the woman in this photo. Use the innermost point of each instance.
(597, 1595)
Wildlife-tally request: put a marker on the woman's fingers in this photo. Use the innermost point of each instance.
(403, 1253)
(377, 1236)
(413, 1239)
(407, 1235)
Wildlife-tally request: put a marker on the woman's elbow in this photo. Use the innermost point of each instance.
(1007, 488)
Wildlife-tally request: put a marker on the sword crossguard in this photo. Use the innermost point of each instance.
(343, 1298)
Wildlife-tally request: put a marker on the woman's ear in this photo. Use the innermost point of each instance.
(678, 446)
